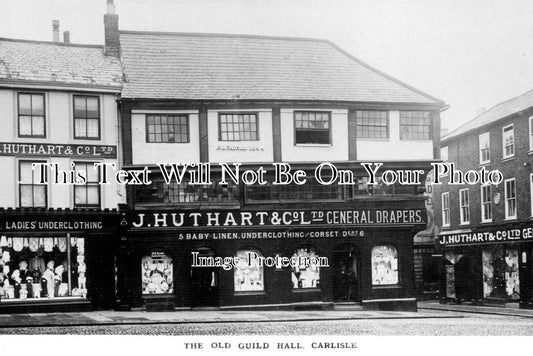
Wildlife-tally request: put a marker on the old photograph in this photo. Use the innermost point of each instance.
(295, 168)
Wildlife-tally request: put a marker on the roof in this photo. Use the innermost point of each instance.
(497, 112)
(58, 64)
(241, 67)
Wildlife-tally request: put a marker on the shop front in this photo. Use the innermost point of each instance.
(487, 266)
(56, 259)
(238, 259)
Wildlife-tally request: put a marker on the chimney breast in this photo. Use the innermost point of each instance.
(111, 34)
(55, 30)
(66, 36)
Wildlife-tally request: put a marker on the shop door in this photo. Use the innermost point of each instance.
(204, 282)
(346, 279)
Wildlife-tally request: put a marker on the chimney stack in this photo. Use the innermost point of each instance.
(55, 30)
(66, 36)
(111, 31)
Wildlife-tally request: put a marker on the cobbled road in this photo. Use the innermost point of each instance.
(469, 324)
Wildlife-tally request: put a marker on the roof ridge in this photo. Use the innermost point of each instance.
(486, 111)
(229, 35)
(63, 44)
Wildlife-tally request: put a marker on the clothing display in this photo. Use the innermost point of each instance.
(157, 275)
(38, 267)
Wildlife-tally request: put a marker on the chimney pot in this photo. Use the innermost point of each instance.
(55, 30)
(66, 36)
(110, 7)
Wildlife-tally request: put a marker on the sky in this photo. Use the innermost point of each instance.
(471, 54)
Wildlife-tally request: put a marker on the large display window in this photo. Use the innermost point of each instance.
(500, 273)
(248, 275)
(34, 268)
(305, 275)
(157, 275)
(384, 265)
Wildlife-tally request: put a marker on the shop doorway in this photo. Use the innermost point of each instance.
(204, 282)
(346, 279)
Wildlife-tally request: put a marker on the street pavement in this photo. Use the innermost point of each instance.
(431, 320)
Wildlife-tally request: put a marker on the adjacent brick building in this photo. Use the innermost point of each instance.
(486, 230)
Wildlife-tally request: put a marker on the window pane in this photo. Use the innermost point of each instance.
(24, 104)
(80, 195)
(93, 195)
(92, 108)
(39, 198)
(92, 128)
(37, 104)
(80, 107)
(80, 128)
(248, 275)
(25, 125)
(384, 265)
(26, 196)
(38, 125)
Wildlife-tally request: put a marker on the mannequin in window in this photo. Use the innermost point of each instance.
(47, 280)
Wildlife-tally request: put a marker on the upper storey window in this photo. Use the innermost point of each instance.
(372, 124)
(415, 125)
(312, 127)
(167, 128)
(86, 117)
(238, 127)
(484, 148)
(508, 141)
(31, 115)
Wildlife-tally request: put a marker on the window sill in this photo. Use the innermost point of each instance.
(387, 286)
(306, 290)
(514, 218)
(372, 139)
(486, 222)
(507, 159)
(465, 224)
(530, 152)
(484, 164)
(87, 138)
(249, 293)
(313, 145)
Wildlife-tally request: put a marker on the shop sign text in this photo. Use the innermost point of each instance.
(508, 235)
(56, 150)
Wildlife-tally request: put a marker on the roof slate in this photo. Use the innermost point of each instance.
(58, 64)
(493, 114)
(235, 67)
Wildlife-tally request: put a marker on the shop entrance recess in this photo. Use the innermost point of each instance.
(204, 282)
(346, 279)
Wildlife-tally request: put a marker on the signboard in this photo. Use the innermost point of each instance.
(54, 221)
(291, 233)
(56, 150)
(516, 234)
(166, 219)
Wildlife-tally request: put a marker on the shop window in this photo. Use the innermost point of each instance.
(372, 124)
(508, 141)
(384, 265)
(415, 125)
(161, 193)
(86, 117)
(451, 259)
(500, 273)
(510, 198)
(167, 128)
(31, 192)
(312, 127)
(305, 275)
(445, 209)
(363, 189)
(531, 191)
(238, 127)
(37, 268)
(88, 194)
(486, 203)
(311, 190)
(248, 274)
(157, 275)
(31, 115)
(464, 206)
(484, 148)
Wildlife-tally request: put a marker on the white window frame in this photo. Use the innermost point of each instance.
(445, 209)
(503, 141)
(481, 137)
(531, 133)
(484, 202)
(508, 199)
(531, 192)
(464, 209)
